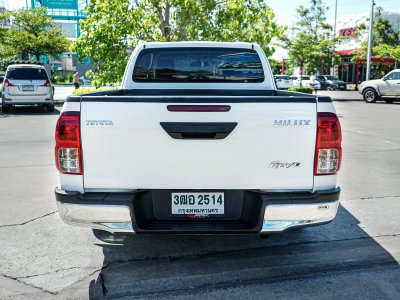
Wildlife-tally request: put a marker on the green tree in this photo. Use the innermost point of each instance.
(5, 52)
(35, 33)
(385, 39)
(314, 44)
(112, 27)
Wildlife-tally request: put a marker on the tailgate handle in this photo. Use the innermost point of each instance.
(191, 131)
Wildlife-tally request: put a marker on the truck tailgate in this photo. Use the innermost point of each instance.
(126, 147)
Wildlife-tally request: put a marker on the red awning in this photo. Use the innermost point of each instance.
(347, 52)
(373, 58)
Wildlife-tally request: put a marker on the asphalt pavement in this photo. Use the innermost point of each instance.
(355, 256)
(61, 92)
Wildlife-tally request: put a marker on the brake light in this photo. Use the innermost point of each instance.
(6, 82)
(328, 149)
(48, 83)
(199, 108)
(68, 153)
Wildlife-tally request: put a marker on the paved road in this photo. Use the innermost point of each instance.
(343, 95)
(356, 256)
(63, 91)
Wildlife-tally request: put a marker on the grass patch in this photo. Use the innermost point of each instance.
(82, 91)
(303, 89)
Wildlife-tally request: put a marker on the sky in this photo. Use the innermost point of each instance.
(285, 10)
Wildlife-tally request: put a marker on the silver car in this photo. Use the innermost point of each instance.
(386, 88)
(27, 85)
(283, 82)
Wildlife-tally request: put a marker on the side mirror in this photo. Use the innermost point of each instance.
(384, 78)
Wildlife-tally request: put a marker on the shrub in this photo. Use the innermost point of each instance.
(81, 91)
(70, 77)
(303, 89)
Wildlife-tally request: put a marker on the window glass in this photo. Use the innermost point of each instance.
(331, 78)
(198, 65)
(26, 74)
(394, 76)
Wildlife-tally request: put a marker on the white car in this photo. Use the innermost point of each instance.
(387, 88)
(283, 82)
(198, 140)
(305, 81)
(27, 84)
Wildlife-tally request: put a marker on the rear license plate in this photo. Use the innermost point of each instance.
(197, 203)
(27, 88)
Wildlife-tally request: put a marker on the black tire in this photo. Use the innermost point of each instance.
(5, 108)
(50, 108)
(370, 95)
(330, 88)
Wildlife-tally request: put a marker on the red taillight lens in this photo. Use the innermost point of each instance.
(48, 83)
(6, 82)
(328, 149)
(68, 152)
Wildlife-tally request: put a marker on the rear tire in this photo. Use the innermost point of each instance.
(370, 95)
(5, 108)
(50, 108)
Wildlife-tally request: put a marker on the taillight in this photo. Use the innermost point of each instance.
(68, 152)
(328, 150)
(6, 82)
(48, 83)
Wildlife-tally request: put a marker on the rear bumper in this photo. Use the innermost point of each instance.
(260, 212)
(27, 99)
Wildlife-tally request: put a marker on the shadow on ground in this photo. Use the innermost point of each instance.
(166, 265)
(29, 110)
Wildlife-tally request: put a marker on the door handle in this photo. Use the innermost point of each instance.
(195, 131)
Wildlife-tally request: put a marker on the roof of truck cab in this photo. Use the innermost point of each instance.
(198, 44)
(26, 66)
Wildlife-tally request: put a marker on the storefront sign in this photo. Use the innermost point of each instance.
(60, 4)
(348, 32)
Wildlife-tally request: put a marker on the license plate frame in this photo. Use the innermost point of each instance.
(28, 88)
(198, 203)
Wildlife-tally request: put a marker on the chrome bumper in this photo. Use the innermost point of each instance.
(113, 212)
(112, 218)
(281, 217)
(115, 216)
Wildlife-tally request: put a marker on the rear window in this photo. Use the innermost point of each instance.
(305, 77)
(198, 65)
(26, 74)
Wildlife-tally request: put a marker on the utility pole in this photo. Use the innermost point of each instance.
(371, 23)
(334, 36)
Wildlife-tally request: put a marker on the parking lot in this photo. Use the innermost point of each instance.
(355, 256)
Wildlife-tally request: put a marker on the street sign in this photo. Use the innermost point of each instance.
(60, 4)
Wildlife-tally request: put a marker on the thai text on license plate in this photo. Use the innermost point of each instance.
(197, 203)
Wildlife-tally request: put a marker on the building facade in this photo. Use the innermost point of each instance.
(354, 71)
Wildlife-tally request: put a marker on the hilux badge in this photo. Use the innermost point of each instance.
(292, 123)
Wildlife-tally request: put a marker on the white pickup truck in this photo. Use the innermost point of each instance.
(197, 140)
